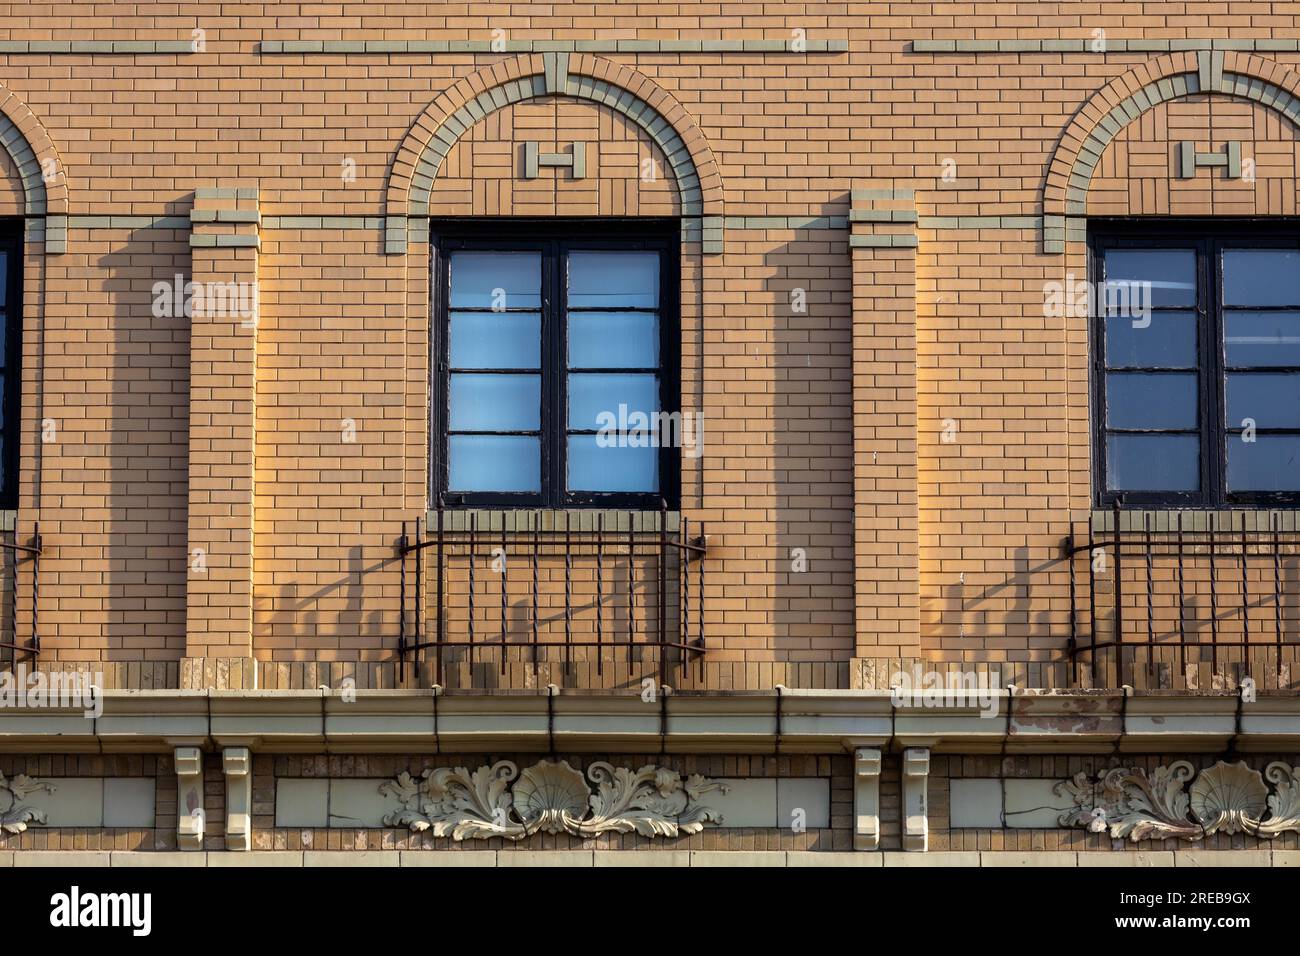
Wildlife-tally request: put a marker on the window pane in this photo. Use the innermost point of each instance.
(494, 463)
(1171, 274)
(1150, 400)
(1269, 463)
(496, 402)
(1261, 276)
(1167, 340)
(1271, 400)
(496, 280)
(613, 467)
(592, 397)
(1153, 462)
(614, 280)
(496, 340)
(613, 340)
(1262, 338)
(4, 280)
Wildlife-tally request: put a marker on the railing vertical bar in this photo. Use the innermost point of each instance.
(9, 651)
(1119, 600)
(700, 599)
(1092, 608)
(473, 556)
(1245, 599)
(1151, 626)
(36, 592)
(537, 549)
(631, 578)
(505, 568)
(663, 584)
(684, 588)
(419, 593)
(442, 607)
(1182, 603)
(419, 597)
(441, 569)
(1277, 591)
(1070, 559)
(600, 592)
(568, 590)
(1214, 600)
(401, 607)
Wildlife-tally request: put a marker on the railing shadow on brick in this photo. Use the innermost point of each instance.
(1185, 599)
(524, 587)
(13, 555)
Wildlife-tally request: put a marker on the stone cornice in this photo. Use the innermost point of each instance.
(810, 721)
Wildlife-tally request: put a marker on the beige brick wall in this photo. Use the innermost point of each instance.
(818, 437)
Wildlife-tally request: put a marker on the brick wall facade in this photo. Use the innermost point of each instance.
(915, 427)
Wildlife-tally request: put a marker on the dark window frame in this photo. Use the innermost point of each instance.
(1208, 237)
(554, 238)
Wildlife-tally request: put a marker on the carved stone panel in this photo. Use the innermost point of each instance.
(1177, 801)
(551, 797)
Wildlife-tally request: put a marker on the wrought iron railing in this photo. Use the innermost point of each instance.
(1184, 590)
(528, 584)
(14, 555)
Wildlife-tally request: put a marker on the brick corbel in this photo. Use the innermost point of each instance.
(866, 798)
(237, 764)
(223, 379)
(190, 816)
(916, 778)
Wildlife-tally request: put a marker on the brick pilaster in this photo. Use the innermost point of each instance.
(885, 518)
(223, 377)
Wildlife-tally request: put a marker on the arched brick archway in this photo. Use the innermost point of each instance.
(594, 79)
(1124, 99)
(29, 146)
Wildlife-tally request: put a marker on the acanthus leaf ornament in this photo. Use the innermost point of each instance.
(454, 801)
(1227, 798)
(551, 797)
(14, 814)
(1283, 803)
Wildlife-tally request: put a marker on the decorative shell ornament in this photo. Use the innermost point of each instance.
(551, 797)
(1177, 801)
(1228, 796)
